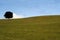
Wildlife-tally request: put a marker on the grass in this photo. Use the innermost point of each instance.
(34, 28)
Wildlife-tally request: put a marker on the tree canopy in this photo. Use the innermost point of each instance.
(8, 14)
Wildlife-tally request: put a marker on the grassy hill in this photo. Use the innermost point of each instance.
(34, 28)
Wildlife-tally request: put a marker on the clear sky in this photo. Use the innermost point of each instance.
(29, 8)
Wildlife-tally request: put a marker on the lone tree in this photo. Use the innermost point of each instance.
(8, 15)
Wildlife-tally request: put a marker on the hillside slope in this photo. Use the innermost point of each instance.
(34, 28)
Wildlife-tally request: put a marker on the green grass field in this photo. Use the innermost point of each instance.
(34, 28)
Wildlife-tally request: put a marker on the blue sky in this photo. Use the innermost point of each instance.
(29, 8)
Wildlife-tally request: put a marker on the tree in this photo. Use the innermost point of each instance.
(8, 15)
